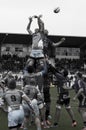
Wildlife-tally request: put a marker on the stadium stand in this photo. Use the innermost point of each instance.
(15, 48)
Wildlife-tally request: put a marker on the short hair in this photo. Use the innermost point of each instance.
(12, 83)
(36, 30)
(46, 32)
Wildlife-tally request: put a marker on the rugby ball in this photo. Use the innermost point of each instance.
(56, 10)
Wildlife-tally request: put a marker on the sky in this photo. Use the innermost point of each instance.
(70, 21)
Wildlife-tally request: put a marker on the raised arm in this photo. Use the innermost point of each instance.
(58, 75)
(29, 25)
(40, 23)
(81, 89)
(78, 93)
(58, 43)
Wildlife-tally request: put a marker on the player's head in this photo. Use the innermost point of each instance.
(12, 84)
(32, 82)
(36, 30)
(46, 32)
(65, 73)
(10, 73)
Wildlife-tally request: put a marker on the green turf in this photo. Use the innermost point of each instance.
(65, 121)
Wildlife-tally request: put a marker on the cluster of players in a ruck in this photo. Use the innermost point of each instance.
(32, 102)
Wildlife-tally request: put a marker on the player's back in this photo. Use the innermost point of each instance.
(31, 91)
(13, 97)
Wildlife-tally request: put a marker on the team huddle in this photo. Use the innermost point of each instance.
(33, 101)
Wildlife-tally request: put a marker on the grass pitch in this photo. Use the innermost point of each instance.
(65, 121)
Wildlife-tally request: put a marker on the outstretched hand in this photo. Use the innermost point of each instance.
(63, 39)
(35, 16)
(40, 15)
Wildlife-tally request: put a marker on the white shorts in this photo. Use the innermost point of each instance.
(15, 117)
(37, 53)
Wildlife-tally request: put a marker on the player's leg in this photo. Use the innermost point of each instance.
(47, 100)
(42, 115)
(26, 116)
(58, 111)
(47, 113)
(57, 115)
(36, 110)
(82, 111)
(70, 111)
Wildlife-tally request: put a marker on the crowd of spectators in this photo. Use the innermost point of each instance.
(16, 64)
(12, 62)
(70, 64)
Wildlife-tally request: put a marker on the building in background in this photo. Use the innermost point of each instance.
(15, 50)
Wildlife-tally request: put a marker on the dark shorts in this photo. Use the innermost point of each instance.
(82, 101)
(63, 99)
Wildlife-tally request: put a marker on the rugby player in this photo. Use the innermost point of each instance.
(13, 99)
(80, 89)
